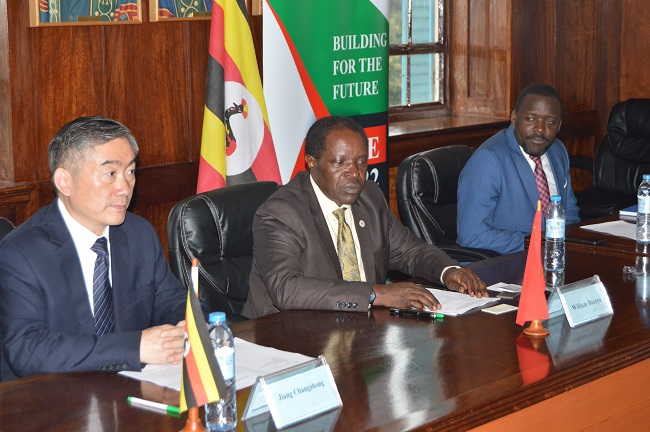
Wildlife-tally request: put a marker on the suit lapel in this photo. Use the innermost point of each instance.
(119, 270)
(558, 175)
(321, 226)
(365, 241)
(523, 169)
(68, 261)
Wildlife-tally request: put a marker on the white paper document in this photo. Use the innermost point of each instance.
(618, 228)
(454, 303)
(251, 361)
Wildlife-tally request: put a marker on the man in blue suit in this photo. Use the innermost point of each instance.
(51, 279)
(497, 191)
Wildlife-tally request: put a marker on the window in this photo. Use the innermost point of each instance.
(417, 56)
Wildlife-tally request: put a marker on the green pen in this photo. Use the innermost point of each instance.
(171, 410)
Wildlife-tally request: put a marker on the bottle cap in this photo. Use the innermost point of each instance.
(646, 176)
(556, 198)
(217, 317)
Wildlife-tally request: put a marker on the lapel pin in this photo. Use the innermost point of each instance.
(362, 224)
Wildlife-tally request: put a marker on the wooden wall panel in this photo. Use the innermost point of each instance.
(607, 60)
(635, 49)
(575, 48)
(154, 101)
(6, 149)
(479, 57)
(196, 51)
(533, 44)
(67, 82)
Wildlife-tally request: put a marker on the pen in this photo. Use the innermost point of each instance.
(154, 406)
(414, 313)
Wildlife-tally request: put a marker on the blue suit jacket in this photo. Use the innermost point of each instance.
(46, 323)
(497, 194)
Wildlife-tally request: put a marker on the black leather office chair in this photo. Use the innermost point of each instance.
(216, 228)
(426, 198)
(5, 227)
(621, 160)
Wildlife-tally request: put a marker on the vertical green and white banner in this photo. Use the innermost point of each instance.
(326, 57)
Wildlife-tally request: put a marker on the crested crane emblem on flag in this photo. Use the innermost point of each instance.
(231, 141)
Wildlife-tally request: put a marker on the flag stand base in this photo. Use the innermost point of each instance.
(193, 423)
(536, 330)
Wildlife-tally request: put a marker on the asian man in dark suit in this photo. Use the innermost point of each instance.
(64, 305)
(327, 239)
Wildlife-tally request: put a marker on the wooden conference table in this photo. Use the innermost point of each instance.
(397, 374)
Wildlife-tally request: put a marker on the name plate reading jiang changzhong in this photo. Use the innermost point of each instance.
(294, 394)
(582, 301)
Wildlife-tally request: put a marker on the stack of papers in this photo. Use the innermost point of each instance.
(251, 361)
(454, 303)
(618, 228)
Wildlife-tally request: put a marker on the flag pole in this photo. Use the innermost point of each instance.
(193, 423)
(536, 328)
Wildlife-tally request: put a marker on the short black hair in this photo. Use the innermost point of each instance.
(71, 142)
(318, 132)
(543, 90)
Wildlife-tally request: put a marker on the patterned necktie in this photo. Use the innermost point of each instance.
(542, 184)
(102, 292)
(346, 250)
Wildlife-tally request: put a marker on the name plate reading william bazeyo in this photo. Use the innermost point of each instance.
(295, 394)
(582, 301)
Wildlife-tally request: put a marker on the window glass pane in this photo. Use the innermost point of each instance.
(397, 81)
(425, 21)
(424, 78)
(398, 13)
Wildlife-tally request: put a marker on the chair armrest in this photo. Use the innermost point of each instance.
(582, 162)
(462, 254)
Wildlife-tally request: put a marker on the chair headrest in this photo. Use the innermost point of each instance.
(434, 173)
(218, 223)
(628, 130)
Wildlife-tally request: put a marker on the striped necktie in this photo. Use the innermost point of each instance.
(102, 292)
(542, 184)
(345, 248)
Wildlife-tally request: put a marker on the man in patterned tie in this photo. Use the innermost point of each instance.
(84, 283)
(501, 183)
(327, 239)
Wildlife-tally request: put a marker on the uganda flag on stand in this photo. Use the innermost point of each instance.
(202, 380)
(236, 143)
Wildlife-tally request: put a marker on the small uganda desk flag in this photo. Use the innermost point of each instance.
(202, 379)
(532, 303)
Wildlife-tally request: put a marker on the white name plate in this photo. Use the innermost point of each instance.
(582, 301)
(294, 394)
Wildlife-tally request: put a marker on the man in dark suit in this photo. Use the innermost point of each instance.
(298, 260)
(64, 305)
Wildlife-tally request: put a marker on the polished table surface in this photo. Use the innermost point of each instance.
(612, 245)
(392, 373)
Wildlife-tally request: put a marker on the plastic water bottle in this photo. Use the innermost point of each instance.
(554, 245)
(222, 415)
(643, 212)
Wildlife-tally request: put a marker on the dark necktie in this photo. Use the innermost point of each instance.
(542, 184)
(102, 292)
(345, 248)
